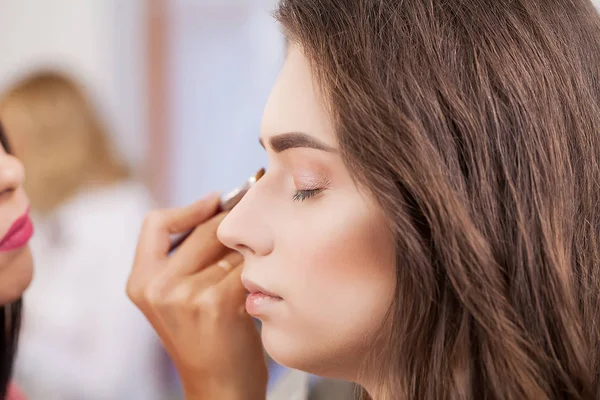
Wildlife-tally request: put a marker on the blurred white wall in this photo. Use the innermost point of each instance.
(224, 59)
(101, 42)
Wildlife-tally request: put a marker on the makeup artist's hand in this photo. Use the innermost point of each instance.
(195, 301)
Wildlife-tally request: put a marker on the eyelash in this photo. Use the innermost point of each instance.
(302, 195)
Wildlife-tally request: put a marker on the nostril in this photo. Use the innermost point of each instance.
(243, 249)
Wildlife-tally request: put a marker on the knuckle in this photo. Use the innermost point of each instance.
(155, 292)
(211, 300)
(177, 298)
(153, 218)
(133, 291)
(168, 297)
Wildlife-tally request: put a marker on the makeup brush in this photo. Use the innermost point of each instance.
(226, 203)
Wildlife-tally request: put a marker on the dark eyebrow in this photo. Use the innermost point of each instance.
(294, 140)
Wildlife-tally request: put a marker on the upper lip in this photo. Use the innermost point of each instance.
(255, 288)
(16, 226)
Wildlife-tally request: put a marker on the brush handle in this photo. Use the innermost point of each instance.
(227, 203)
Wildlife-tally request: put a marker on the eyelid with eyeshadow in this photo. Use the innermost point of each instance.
(308, 181)
(310, 189)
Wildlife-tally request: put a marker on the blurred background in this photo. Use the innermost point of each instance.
(116, 107)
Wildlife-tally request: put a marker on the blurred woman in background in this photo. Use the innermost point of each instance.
(81, 336)
(16, 263)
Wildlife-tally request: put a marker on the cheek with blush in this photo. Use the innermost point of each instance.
(338, 274)
(342, 274)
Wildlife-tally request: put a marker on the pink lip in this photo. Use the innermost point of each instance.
(18, 234)
(259, 299)
(254, 288)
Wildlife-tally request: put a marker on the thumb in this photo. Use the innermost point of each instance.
(155, 236)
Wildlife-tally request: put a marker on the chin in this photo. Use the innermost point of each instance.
(309, 355)
(16, 273)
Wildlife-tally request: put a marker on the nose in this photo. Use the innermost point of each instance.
(12, 173)
(246, 227)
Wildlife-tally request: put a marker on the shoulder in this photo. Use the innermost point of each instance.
(331, 389)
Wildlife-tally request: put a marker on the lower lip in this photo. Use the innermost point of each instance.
(258, 303)
(19, 238)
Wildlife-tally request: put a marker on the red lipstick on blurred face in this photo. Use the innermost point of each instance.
(18, 234)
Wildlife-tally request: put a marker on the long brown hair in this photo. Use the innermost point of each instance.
(58, 134)
(477, 126)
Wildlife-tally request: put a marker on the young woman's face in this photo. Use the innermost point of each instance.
(16, 264)
(311, 238)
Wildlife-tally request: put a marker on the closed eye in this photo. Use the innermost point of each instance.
(302, 195)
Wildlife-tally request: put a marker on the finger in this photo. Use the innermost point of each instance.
(230, 261)
(154, 239)
(217, 271)
(231, 284)
(201, 249)
(202, 288)
(183, 291)
(182, 219)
